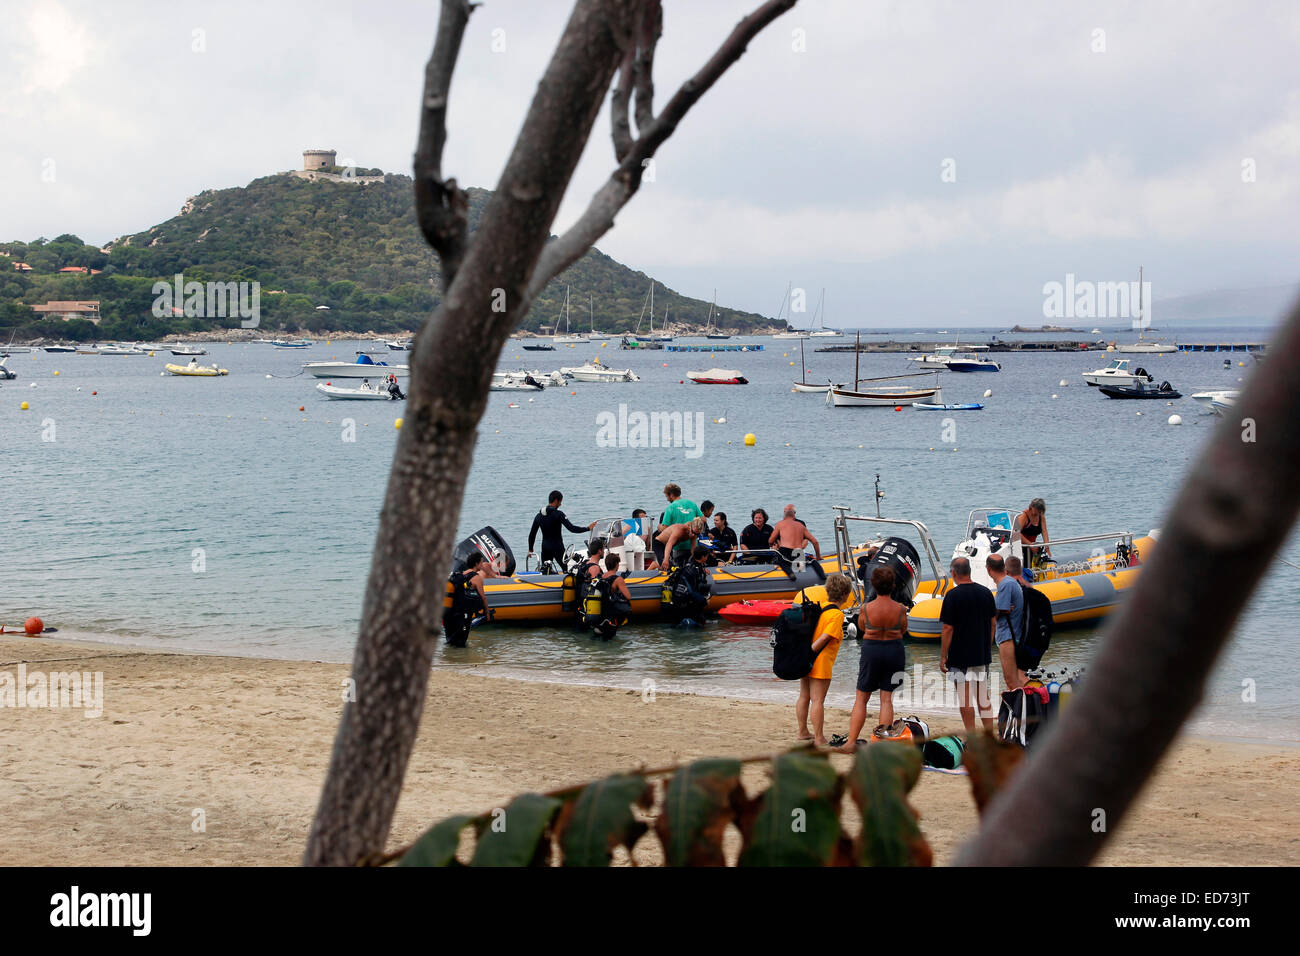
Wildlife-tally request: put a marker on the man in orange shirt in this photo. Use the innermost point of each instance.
(834, 596)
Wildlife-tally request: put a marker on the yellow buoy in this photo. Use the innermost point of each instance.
(398, 424)
(23, 406)
(56, 372)
(750, 439)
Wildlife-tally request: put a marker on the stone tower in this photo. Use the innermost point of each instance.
(317, 159)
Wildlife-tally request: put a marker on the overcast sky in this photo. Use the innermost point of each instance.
(1088, 138)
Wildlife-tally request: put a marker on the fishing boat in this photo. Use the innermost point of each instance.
(1118, 372)
(803, 385)
(593, 371)
(194, 369)
(187, 350)
(1082, 587)
(363, 392)
(1144, 346)
(880, 396)
(1147, 390)
(363, 367)
(1218, 400)
(718, 376)
(970, 361)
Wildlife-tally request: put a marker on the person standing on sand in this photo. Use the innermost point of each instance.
(1009, 602)
(969, 616)
(834, 596)
(789, 535)
(882, 622)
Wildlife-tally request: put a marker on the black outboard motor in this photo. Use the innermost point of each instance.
(902, 558)
(491, 545)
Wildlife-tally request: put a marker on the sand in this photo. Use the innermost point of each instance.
(202, 760)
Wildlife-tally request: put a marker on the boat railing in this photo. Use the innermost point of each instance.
(844, 547)
(1098, 556)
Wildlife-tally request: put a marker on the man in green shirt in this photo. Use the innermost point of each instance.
(679, 511)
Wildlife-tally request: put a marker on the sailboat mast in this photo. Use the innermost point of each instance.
(857, 357)
(1141, 306)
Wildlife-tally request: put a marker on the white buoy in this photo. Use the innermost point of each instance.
(988, 393)
(530, 400)
(722, 420)
(1054, 395)
(1064, 384)
(1175, 419)
(1139, 414)
(268, 376)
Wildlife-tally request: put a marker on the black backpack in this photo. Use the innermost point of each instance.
(792, 637)
(1020, 716)
(1035, 628)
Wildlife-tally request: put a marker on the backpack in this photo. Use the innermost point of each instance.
(1020, 716)
(792, 637)
(1035, 629)
(943, 752)
(912, 730)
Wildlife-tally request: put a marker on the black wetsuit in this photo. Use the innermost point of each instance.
(552, 522)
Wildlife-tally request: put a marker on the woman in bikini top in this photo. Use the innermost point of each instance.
(882, 618)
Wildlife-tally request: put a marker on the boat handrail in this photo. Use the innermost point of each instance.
(844, 547)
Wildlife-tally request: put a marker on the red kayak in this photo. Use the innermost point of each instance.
(754, 612)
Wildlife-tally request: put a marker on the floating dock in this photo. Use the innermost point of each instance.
(713, 348)
(995, 345)
(1222, 346)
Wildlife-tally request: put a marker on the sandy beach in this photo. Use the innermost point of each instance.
(246, 742)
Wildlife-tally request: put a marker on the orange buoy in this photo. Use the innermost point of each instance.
(34, 626)
(898, 408)
(302, 408)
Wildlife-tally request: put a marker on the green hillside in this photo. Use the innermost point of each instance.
(352, 247)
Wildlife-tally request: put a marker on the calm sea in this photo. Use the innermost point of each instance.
(214, 515)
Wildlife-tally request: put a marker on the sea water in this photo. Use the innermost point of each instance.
(213, 515)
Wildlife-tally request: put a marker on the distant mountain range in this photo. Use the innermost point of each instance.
(352, 247)
(1264, 305)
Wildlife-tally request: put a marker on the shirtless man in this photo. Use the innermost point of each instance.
(790, 534)
(679, 539)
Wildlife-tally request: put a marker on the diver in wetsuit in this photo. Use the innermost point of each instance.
(394, 391)
(551, 521)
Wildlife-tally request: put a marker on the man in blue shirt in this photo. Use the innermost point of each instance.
(1010, 604)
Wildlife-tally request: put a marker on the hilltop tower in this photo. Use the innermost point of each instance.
(313, 159)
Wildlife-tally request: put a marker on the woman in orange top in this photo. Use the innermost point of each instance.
(826, 643)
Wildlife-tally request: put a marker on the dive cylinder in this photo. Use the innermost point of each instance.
(569, 593)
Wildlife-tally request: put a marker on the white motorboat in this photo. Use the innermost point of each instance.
(1217, 400)
(115, 350)
(60, 348)
(182, 349)
(718, 376)
(939, 358)
(790, 335)
(399, 346)
(1118, 372)
(971, 362)
(593, 371)
(363, 392)
(547, 379)
(4, 372)
(516, 383)
(363, 367)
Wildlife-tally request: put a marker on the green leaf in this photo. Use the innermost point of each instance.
(519, 834)
(437, 845)
(699, 801)
(879, 781)
(990, 762)
(601, 818)
(797, 821)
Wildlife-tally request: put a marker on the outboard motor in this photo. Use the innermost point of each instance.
(488, 543)
(899, 555)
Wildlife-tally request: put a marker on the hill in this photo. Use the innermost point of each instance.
(352, 247)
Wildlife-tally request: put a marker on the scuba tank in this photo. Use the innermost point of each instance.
(594, 604)
(569, 593)
(902, 558)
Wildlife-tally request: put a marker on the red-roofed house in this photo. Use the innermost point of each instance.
(22, 267)
(73, 309)
(81, 269)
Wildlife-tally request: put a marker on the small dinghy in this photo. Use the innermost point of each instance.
(718, 376)
(195, 369)
(754, 612)
(364, 392)
(956, 407)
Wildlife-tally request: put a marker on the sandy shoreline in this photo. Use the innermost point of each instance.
(247, 741)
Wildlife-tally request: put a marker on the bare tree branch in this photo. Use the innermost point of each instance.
(1231, 517)
(649, 30)
(441, 207)
(620, 125)
(451, 368)
(622, 185)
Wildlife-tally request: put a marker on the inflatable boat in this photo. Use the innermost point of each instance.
(1085, 587)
